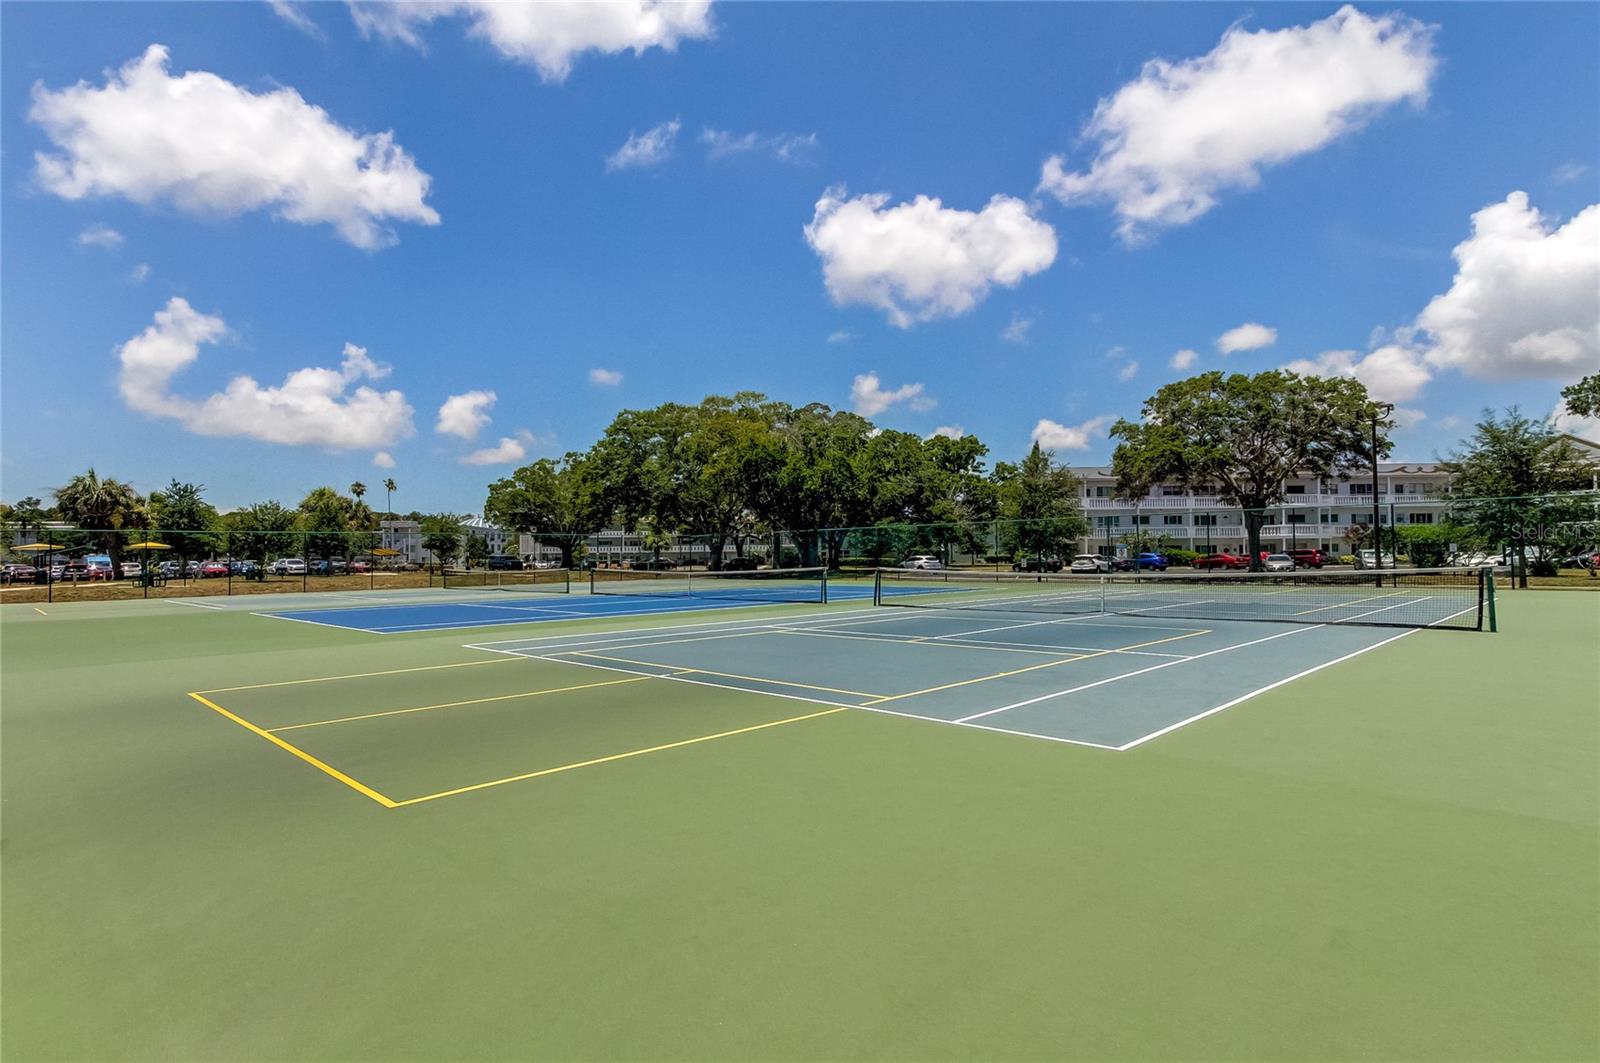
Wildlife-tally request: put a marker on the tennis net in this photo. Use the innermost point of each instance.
(804, 585)
(1414, 597)
(535, 580)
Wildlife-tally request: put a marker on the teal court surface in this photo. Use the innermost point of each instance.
(1099, 680)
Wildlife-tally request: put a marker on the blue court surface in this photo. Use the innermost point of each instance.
(497, 608)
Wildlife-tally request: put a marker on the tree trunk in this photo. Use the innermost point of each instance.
(716, 547)
(567, 547)
(1253, 522)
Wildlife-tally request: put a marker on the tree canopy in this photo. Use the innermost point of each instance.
(558, 502)
(1245, 435)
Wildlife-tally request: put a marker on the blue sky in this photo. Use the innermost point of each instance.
(1295, 167)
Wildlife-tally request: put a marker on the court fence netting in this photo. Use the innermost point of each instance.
(796, 585)
(1457, 598)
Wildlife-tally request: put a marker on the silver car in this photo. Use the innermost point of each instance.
(1278, 563)
(1090, 563)
(926, 562)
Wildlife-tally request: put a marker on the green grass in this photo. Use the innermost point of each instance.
(1392, 858)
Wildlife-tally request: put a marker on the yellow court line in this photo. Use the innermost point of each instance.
(614, 757)
(725, 675)
(1036, 667)
(1342, 605)
(364, 675)
(386, 802)
(457, 704)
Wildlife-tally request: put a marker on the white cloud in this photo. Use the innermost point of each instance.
(606, 378)
(1392, 373)
(785, 147)
(1172, 140)
(1017, 330)
(551, 34)
(465, 415)
(650, 148)
(210, 147)
(921, 260)
(841, 336)
(1128, 372)
(313, 407)
(140, 273)
(1184, 359)
(1564, 420)
(100, 236)
(1247, 337)
(949, 431)
(1525, 301)
(383, 459)
(1450, 420)
(869, 398)
(294, 13)
(1052, 435)
(509, 449)
(1570, 172)
(1406, 417)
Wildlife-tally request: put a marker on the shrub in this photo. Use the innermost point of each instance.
(1181, 557)
(1542, 566)
(1347, 559)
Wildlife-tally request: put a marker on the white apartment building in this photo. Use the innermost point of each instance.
(1313, 513)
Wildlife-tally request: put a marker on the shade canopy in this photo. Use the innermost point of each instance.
(36, 548)
(147, 546)
(384, 551)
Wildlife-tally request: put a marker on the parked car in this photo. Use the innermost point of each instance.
(19, 574)
(213, 569)
(1369, 559)
(1090, 563)
(739, 564)
(1308, 558)
(504, 563)
(100, 567)
(1037, 564)
(654, 564)
(361, 566)
(57, 570)
(288, 566)
(74, 571)
(1278, 563)
(1151, 559)
(925, 562)
(132, 569)
(1221, 561)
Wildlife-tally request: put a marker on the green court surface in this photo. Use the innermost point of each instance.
(816, 832)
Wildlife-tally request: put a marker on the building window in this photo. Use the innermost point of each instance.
(1141, 519)
(1297, 518)
(1294, 489)
(1172, 518)
(1171, 491)
(1108, 522)
(1422, 518)
(1206, 520)
(1361, 489)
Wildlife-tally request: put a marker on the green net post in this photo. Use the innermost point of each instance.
(1488, 597)
(824, 586)
(877, 587)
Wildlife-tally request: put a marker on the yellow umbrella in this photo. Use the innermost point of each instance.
(36, 548)
(384, 551)
(148, 546)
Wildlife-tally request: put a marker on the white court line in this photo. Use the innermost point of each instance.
(693, 682)
(1139, 671)
(318, 623)
(195, 605)
(1261, 690)
(982, 727)
(1048, 649)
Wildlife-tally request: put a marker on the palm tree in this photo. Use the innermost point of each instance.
(104, 506)
(358, 489)
(389, 487)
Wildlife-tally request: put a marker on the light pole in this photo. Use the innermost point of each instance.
(1379, 411)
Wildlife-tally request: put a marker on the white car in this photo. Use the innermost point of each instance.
(926, 562)
(1278, 563)
(132, 569)
(288, 566)
(1369, 559)
(1090, 563)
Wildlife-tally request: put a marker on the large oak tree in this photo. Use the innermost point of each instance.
(1245, 435)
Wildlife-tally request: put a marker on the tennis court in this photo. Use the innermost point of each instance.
(949, 809)
(1103, 663)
